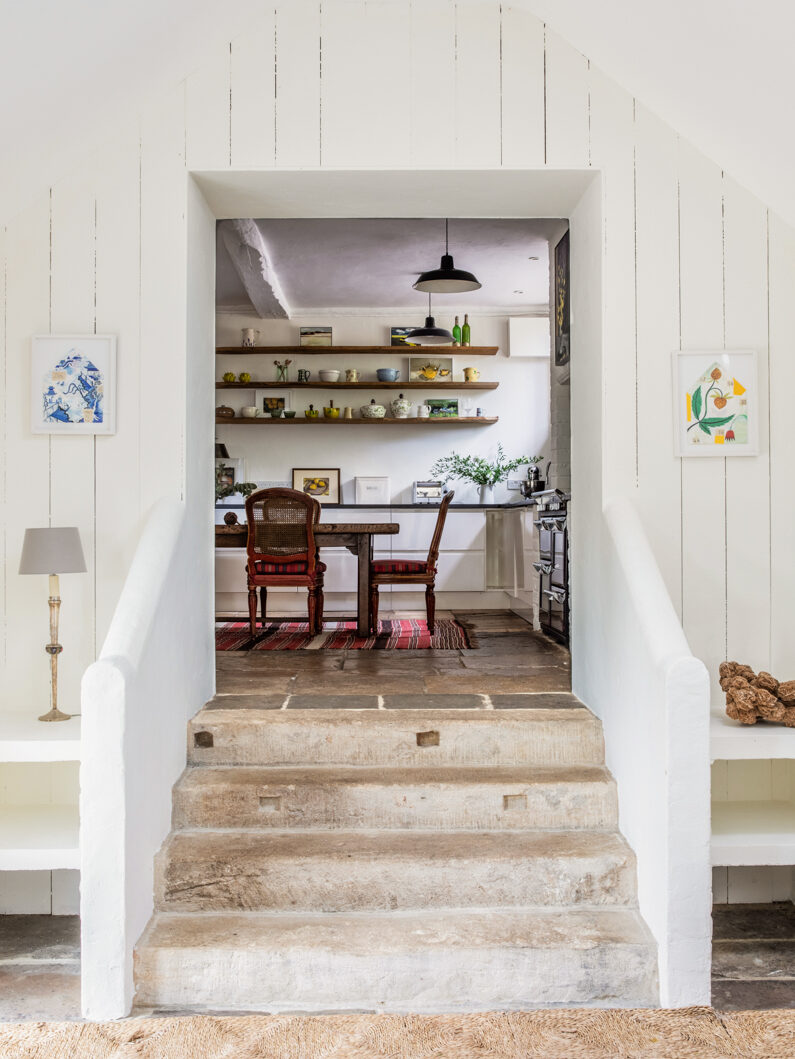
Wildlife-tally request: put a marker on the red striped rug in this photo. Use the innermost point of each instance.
(393, 635)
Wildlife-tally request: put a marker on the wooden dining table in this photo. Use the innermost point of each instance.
(357, 537)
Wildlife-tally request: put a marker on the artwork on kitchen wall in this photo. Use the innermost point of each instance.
(562, 300)
(372, 489)
(270, 401)
(397, 336)
(431, 369)
(323, 483)
(315, 336)
(716, 403)
(73, 384)
(442, 407)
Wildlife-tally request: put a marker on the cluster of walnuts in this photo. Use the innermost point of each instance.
(751, 696)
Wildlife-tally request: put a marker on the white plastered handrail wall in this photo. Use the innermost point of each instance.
(652, 696)
(136, 700)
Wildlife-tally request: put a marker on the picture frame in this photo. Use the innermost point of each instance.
(314, 336)
(323, 483)
(233, 468)
(266, 400)
(562, 307)
(442, 407)
(716, 403)
(427, 492)
(73, 384)
(372, 489)
(430, 368)
(397, 336)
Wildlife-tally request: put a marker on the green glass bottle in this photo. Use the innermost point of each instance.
(456, 333)
(465, 333)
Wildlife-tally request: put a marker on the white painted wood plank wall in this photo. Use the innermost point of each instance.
(363, 82)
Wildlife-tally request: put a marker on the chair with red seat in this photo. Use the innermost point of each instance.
(411, 572)
(281, 550)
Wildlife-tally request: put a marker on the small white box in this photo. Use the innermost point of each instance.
(373, 490)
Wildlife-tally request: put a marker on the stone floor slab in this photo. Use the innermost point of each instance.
(770, 921)
(332, 702)
(728, 995)
(563, 700)
(433, 702)
(48, 992)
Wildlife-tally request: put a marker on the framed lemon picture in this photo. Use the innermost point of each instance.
(323, 483)
(716, 410)
(430, 369)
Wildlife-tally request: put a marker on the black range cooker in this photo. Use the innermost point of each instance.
(553, 563)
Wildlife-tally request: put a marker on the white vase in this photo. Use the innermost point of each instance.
(487, 494)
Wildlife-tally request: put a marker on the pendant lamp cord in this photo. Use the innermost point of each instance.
(446, 240)
(429, 304)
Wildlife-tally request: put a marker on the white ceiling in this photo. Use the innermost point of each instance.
(719, 71)
(331, 263)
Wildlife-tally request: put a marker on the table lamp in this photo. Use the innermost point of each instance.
(53, 550)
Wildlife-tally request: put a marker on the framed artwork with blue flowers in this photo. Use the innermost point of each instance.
(73, 384)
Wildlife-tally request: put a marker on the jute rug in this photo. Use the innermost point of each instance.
(396, 634)
(591, 1034)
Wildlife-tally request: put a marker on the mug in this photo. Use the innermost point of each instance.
(250, 336)
(351, 374)
(471, 374)
(250, 411)
(303, 375)
(423, 411)
(348, 413)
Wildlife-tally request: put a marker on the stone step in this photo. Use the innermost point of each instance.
(444, 799)
(396, 737)
(415, 962)
(353, 871)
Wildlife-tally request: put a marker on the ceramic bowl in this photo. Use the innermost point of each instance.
(331, 413)
(311, 413)
(387, 374)
(249, 412)
(289, 413)
(329, 375)
(373, 411)
(276, 413)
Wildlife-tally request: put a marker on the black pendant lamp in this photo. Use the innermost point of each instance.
(430, 335)
(447, 279)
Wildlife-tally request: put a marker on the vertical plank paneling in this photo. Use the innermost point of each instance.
(782, 495)
(657, 331)
(612, 151)
(298, 83)
(381, 33)
(253, 95)
(4, 440)
(703, 480)
(566, 104)
(477, 85)
(207, 132)
(747, 524)
(432, 77)
(522, 96)
(72, 458)
(25, 683)
(118, 458)
(162, 292)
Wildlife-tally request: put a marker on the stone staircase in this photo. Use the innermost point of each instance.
(406, 860)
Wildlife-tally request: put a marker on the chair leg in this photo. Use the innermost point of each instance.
(312, 610)
(374, 609)
(263, 595)
(252, 609)
(320, 604)
(430, 608)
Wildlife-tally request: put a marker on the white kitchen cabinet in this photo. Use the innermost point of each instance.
(463, 530)
(455, 572)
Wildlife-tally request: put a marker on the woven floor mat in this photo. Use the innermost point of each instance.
(558, 1034)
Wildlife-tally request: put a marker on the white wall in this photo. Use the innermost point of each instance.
(521, 402)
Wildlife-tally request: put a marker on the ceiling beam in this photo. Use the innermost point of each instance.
(249, 256)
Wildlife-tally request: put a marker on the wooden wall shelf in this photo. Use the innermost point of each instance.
(399, 351)
(472, 421)
(254, 385)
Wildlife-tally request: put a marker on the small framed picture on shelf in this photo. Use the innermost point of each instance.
(314, 336)
(274, 403)
(323, 483)
(374, 489)
(428, 492)
(442, 407)
(397, 336)
(228, 472)
(430, 369)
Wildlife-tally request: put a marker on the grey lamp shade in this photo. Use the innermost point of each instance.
(52, 550)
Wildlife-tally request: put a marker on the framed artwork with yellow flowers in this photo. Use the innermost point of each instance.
(323, 483)
(716, 403)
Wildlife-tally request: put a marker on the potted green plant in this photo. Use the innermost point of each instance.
(223, 489)
(483, 473)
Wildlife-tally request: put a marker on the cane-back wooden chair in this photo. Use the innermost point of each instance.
(281, 550)
(411, 572)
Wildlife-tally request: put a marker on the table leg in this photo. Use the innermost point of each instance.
(365, 549)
